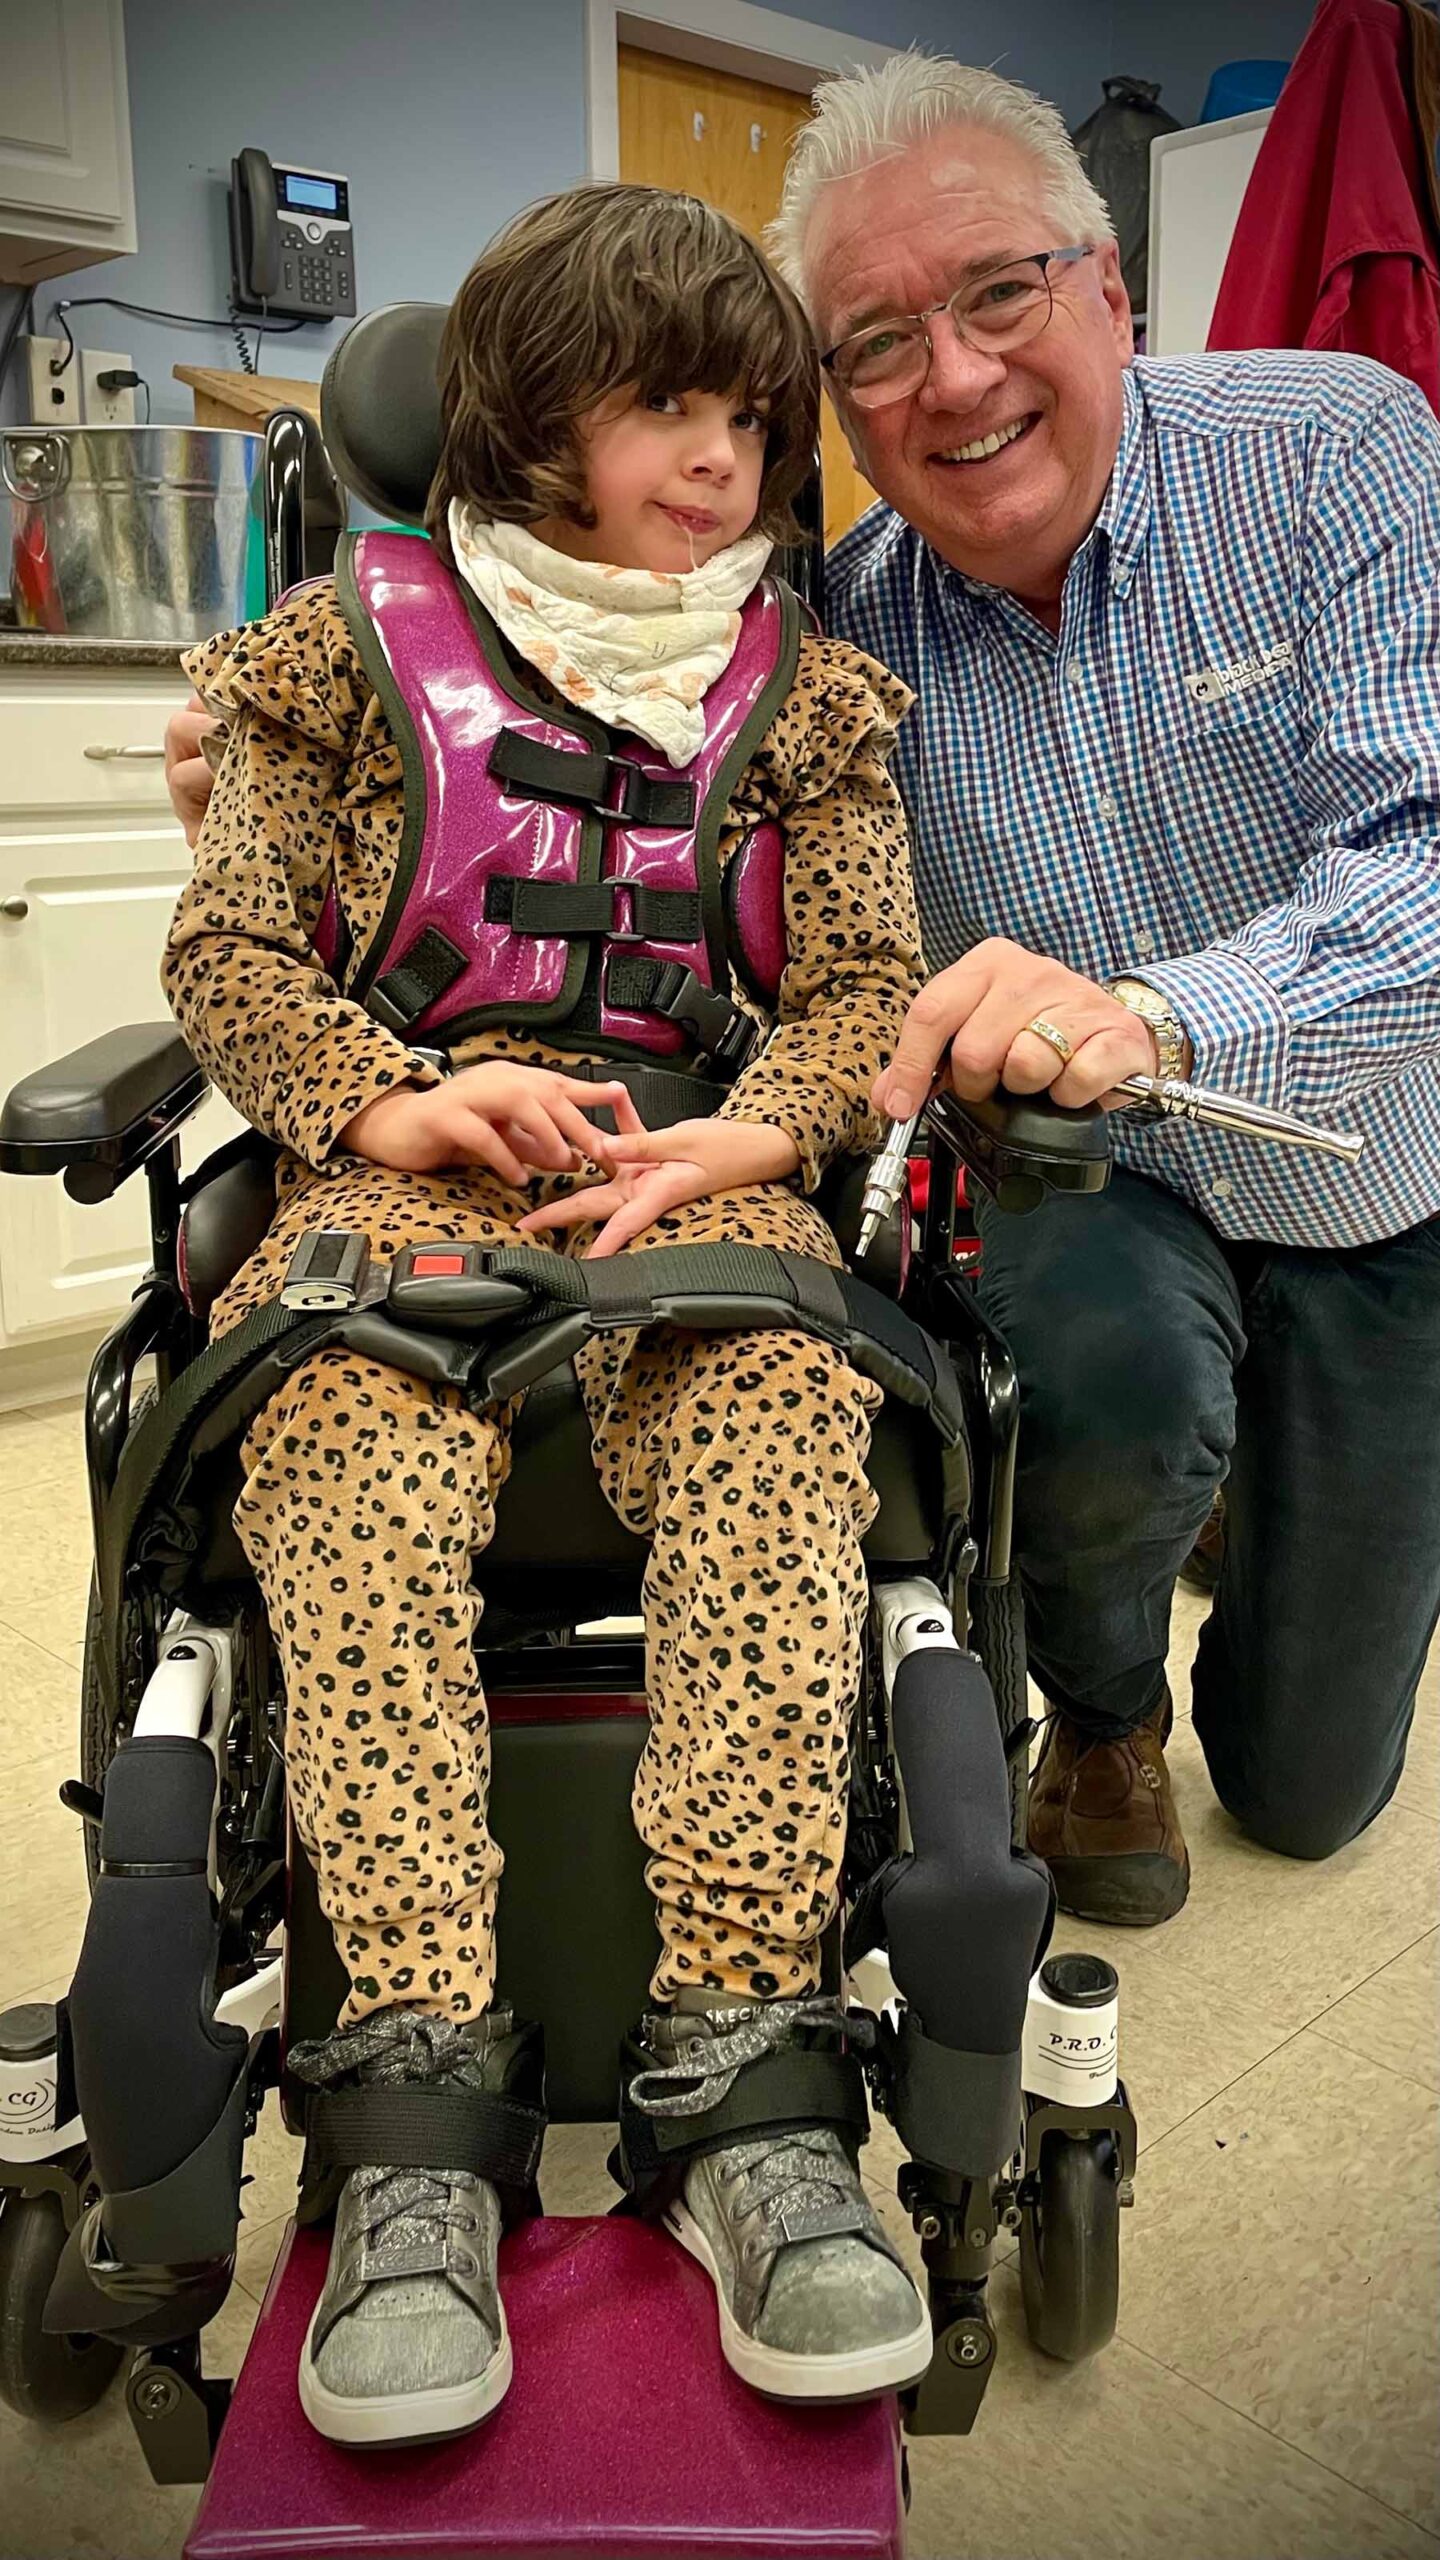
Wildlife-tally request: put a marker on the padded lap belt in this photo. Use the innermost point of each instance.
(478, 2130)
(787, 2092)
(156, 1519)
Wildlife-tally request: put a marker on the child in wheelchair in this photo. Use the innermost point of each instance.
(629, 404)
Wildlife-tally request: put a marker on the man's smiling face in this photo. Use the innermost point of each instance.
(901, 236)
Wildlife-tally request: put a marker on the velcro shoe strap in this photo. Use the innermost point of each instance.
(478, 2130)
(788, 2092)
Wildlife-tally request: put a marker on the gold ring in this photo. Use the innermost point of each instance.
(1053, 1039)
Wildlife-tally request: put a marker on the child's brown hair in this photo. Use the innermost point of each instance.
(592, 289)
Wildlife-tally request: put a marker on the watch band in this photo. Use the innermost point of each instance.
(1155, 1010)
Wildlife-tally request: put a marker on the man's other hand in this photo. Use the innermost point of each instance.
(188, 777)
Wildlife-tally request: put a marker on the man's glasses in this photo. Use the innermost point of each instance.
(993, 314)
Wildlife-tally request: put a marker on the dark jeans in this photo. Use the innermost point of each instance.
(1157, 1360)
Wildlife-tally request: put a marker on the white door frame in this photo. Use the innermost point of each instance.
(725, 35)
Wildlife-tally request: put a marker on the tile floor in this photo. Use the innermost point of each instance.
(1272, 2393)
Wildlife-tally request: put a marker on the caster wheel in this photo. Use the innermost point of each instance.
(44, 2377)
(1070, 2246)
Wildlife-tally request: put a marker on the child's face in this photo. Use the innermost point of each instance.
(673, 477)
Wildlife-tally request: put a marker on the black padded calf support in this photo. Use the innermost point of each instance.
(966, 1920)
(161, 2086)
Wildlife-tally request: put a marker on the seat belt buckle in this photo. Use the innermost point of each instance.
(327, 1271)
(715, 1024)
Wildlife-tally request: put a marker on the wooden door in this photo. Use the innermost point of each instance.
(713, 134)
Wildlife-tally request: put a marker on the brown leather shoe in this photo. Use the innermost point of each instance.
(1201, 1570)
(1103, 1819)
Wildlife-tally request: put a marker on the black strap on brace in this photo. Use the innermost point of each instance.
(478, 2130)
(611, 786)
(794, 2091)
(574, 909)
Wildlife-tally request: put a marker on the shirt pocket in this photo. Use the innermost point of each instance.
(1226, 778)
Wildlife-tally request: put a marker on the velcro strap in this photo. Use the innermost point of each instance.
(430, 967)
(572, 909)
(479, 2130)
(568, 908)
(587, 778)
(788, 2092)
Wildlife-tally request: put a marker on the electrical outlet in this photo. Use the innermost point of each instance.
(105, 408)
(54, 398)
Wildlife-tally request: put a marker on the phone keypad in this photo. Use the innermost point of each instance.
(320, 279)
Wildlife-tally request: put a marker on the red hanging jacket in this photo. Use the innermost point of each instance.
(1336, 245)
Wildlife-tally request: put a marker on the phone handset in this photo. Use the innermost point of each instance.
(257, 260)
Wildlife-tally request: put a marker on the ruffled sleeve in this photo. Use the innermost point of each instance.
(852, 932)
(292, 1054)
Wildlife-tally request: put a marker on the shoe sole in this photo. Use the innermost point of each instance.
(1136, 1892)
(864, 2374)
(404, 2417)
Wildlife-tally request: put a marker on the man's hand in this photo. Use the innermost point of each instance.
(188, 778)
(518, 1120)
(977, 1011)
(655, 1170)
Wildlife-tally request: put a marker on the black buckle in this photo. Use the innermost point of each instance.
(715, 1024)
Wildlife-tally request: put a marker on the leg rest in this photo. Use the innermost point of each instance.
(624, 2434)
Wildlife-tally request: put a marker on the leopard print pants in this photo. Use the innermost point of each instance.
(368, 1499)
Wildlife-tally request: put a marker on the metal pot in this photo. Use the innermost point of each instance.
(134, 533)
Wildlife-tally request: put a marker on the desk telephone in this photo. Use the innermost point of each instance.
(292, 249)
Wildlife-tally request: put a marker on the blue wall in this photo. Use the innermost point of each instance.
(449, 114)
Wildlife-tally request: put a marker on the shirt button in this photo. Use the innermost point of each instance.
(1145, 946)
(1108, 808)
(1222, 1187)
(1074, 673)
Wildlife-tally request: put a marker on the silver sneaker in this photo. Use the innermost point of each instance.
(815, 2302)
(408, 2339)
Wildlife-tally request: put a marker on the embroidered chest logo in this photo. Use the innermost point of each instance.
(1215, 684)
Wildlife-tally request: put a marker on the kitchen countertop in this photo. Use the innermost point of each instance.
(45, 649)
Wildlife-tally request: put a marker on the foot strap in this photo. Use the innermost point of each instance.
(672, 2111)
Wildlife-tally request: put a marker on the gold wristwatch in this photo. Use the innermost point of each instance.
(1171, 1040)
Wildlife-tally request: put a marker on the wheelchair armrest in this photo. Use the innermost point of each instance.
(97, 1114)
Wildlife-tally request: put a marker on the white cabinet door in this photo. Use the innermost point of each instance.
(82, 959)
(65, 173)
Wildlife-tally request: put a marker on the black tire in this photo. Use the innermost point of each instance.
(1070, 2247)
(97, 1735)
(997, 1634)
(42, 2377)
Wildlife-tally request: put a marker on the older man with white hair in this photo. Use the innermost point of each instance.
(1173, 776)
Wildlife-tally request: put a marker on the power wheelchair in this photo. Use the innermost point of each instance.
(121, 2194)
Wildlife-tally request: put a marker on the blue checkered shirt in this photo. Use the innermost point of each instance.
(1222, 777)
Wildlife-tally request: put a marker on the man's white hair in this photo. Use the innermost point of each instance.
(864, 116)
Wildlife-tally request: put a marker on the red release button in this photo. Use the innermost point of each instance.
(437, 1266)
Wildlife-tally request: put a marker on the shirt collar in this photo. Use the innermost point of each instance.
(1124, 516)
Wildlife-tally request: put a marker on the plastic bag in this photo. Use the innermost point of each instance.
(1114, 147)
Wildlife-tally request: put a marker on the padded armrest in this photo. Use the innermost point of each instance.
(108, 1105)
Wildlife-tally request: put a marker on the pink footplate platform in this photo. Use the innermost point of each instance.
(624, 2435)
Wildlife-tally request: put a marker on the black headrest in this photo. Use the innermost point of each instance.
(380, 407)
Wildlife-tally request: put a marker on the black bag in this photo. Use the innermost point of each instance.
(1114, 147)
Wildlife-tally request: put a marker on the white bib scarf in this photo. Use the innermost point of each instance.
(637, 648)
